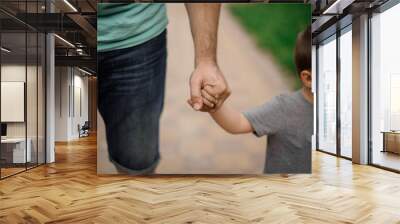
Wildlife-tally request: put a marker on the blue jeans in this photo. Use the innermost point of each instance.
(131, 85)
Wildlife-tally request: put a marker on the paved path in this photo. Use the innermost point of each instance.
(190, 141)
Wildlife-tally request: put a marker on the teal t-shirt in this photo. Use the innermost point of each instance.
(123, 25)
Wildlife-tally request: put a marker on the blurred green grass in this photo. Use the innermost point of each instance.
(274, 28)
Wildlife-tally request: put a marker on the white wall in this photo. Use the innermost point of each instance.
(62, 81)
(33, 126)
(70, 83)
(81, 82)
(12, 73)
(12, 101)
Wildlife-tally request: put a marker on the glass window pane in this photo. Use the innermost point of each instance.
(346, 94)
(32, 88)
(327, 96)
(13, 87)
(31, 97)
(22, 88)
(385, 89)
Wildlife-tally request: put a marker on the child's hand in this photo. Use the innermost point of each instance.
(208, 99)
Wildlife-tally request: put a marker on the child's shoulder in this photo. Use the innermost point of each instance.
(286, 100)
(284, 97)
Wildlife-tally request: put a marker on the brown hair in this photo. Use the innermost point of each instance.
(302, 52)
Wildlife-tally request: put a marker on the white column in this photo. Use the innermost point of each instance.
(50, 92)
(360, 90)
(50, 99)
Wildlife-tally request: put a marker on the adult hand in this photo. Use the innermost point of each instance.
(204, 18)
(208, 74)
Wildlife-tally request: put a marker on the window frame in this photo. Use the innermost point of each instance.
(333, 37)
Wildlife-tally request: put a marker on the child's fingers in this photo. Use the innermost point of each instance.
(207, 96)
(209, 89)
(208, 103)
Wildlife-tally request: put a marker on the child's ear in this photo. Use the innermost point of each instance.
(306, 78)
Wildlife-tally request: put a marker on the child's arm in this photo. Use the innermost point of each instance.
(228, 118)
(231, 120)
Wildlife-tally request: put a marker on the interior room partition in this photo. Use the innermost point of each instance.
(23, 88)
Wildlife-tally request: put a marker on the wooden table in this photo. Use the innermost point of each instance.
(391, 141)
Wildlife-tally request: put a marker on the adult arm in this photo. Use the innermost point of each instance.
(204, 19)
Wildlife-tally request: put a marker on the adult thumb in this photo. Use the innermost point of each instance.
(195, 94)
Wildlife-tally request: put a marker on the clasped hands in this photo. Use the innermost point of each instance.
(208, 88)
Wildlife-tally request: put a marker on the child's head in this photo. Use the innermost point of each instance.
(302, 57)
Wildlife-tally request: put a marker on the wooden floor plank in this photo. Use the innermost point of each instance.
(70, 191)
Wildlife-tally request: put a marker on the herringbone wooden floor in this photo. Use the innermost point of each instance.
(69, 191)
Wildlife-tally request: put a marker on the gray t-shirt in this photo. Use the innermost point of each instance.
(287, 120)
